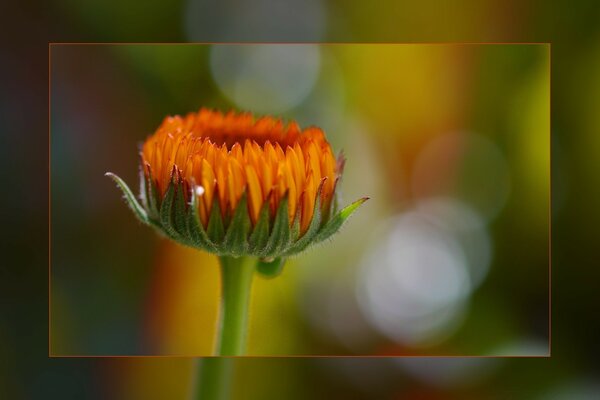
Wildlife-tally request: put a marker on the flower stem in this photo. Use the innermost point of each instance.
(214, 378)
(236, 283)
(214, 374)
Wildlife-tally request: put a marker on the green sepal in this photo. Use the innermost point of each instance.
(294, 232)
(313, 228)
(272, 268)
(195, 229)
(260, 234)
(340, 164)
(130, 199)
(152, 196)
(215, 229)
(166, 212)
(143, 189)
(281, 233)
(334, 205)
(236, 238)
(179, 219)
(335, 223)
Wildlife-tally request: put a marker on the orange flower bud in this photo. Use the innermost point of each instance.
(234, 185)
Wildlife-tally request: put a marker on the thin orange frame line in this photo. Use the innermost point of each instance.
(549, 44)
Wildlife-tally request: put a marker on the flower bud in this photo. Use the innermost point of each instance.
(236, 186)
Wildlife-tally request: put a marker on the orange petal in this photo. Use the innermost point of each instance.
(313, 160)
(208, 183)
(308, 203)
(292, 194)
(254, 192)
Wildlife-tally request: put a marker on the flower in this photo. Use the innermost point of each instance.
(235, 185)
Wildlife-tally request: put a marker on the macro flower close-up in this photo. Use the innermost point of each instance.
(240, 169)
(234, 185)
(253, 191)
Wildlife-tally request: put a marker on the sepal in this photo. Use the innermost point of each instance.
(166, 212)
(335, 223)
(215, 228)
(197, 234)
(281, 233)
(236, 239)
(313, 228)
(260, 234)
(180, 214)
(152, 196)
(129, 197)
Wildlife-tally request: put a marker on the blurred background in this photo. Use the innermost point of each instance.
(464, 127)
(451, 256)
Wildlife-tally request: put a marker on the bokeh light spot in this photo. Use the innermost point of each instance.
(415, 282)
(265, 78)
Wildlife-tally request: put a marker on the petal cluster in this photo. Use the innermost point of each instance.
(232, 154)
(234, 185)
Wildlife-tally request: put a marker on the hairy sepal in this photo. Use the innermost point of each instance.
(235, 242)
(132, 202)
(337, 221)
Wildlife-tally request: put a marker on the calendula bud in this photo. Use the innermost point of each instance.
(236, 186)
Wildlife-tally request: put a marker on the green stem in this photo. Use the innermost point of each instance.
(214, 378)
(236, 282)
(214, 375)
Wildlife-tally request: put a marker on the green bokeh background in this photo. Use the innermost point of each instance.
(395, 110)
